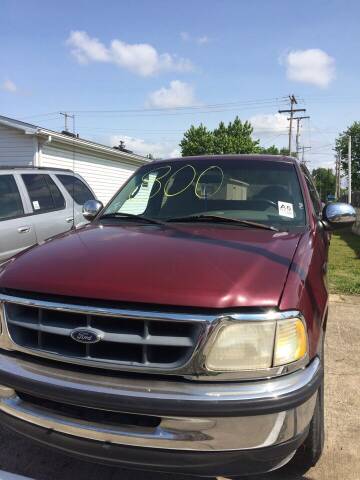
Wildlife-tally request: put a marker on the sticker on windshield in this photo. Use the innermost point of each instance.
(36, 205)
(286, 209)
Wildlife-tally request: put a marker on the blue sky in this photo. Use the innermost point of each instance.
(138, 58)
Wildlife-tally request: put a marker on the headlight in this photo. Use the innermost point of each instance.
(257, 345)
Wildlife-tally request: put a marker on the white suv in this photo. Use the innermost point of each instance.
(38, 203)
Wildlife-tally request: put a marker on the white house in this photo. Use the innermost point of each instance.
(104, 168)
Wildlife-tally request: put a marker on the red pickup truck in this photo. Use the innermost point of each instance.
(181, 330)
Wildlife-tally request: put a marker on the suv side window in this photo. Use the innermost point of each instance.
(315, 199)
(44, 194)
(11, 205)
(76, 188)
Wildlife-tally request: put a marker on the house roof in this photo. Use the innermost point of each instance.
(69, 140)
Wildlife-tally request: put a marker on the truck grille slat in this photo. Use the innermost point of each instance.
(109, 337)
(124, 341)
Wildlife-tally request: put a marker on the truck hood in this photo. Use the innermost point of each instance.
(191, 266)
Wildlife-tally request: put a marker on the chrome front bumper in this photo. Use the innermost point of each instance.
(211, 417)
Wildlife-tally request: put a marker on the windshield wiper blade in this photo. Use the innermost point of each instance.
(132, 216)
(220, 219)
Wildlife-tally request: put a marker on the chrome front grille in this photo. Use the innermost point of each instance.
(135, 339)
(155, 340)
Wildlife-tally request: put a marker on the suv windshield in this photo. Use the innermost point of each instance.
(267, 192)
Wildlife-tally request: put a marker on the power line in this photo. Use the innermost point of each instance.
(321, 147)
(173, 111)
(52, 114)
(186, 110)
(164, 113)
(318, 153)
(228, 106)
(260, 102)
(269, 141)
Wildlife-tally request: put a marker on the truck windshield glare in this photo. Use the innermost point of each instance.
(252, 190)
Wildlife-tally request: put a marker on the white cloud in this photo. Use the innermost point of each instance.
(269, 123)
(86, 49)
(142, 59)
(143, 147)
(312, 66)
(9, 86)
(179, 94)
(203, 40)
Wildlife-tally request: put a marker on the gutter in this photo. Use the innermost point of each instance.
(88, 145)
(28, 130)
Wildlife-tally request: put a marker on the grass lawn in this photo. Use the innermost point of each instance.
(344, 263)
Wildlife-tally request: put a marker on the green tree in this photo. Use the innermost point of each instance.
(197, 141)
(341, 148)
(273, 150)
(285, 151)
(325, 181)
(222, 141)
(239, 137)
(236, 137)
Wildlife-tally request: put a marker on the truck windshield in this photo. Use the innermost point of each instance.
(266, 192)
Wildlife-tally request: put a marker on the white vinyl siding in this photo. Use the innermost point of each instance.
(16, 147)
(104, 176)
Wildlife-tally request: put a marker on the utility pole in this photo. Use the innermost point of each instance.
(66, 116)
(349, 164)
(303, 154)
(292, 110)
(337, 176)
(298, 120)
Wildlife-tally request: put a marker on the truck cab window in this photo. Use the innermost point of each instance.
(315, 199)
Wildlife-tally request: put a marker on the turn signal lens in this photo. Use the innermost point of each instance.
(291, 342)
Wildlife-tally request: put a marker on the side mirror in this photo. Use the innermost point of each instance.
(338, 215)
(91, 208)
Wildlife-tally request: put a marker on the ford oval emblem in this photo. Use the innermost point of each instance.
(86, 335)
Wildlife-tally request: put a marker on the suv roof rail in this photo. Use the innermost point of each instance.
(25, 167)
